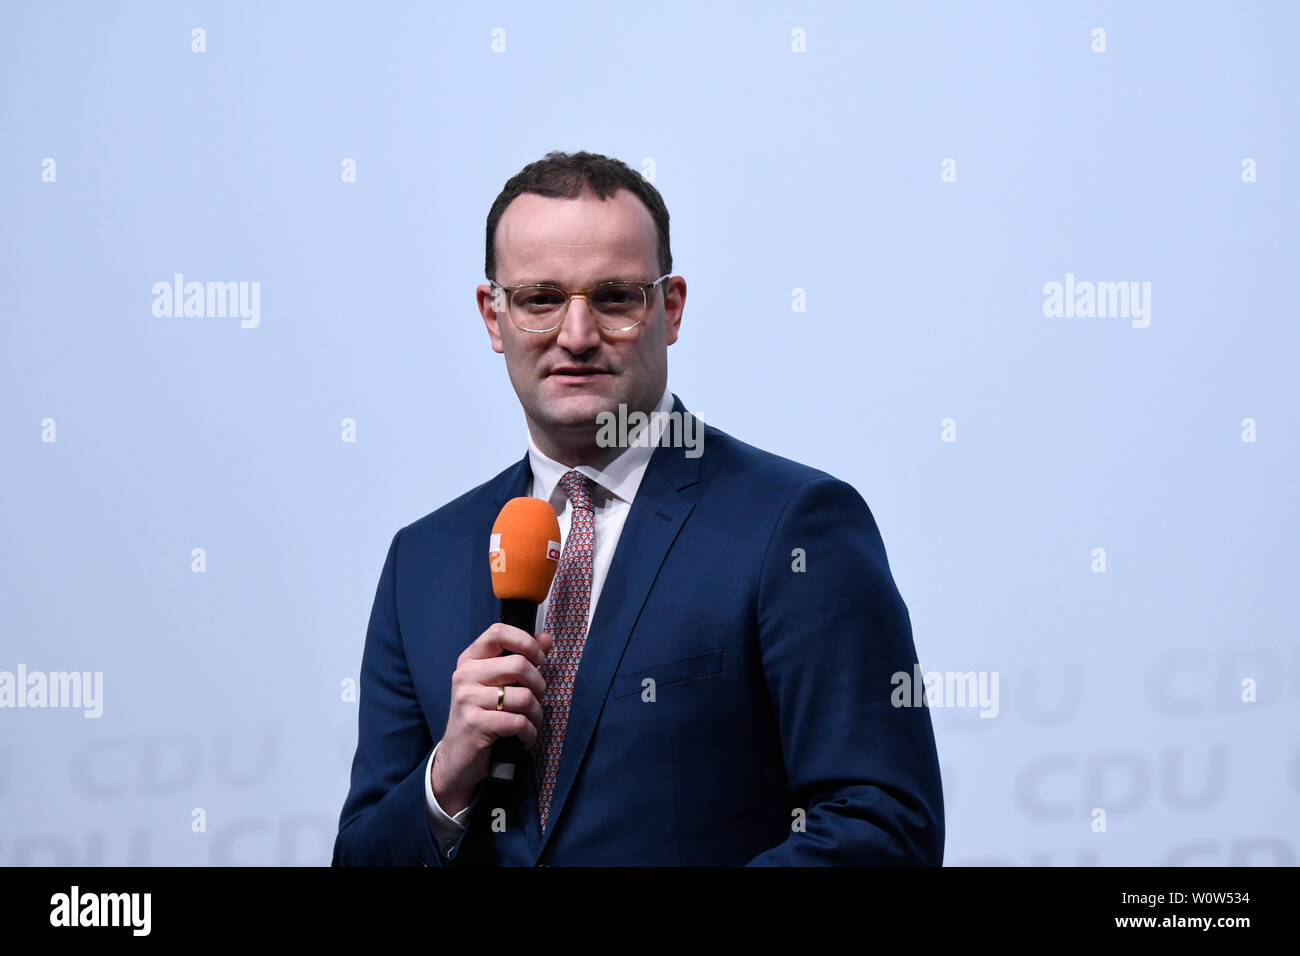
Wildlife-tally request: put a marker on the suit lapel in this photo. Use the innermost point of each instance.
(658, 512)
(657, 515)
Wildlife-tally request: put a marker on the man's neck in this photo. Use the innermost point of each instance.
(579, 445)
(581, 450)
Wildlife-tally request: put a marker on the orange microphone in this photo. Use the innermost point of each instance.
(523, 554)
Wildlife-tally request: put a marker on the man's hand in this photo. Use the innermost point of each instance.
(474, 723)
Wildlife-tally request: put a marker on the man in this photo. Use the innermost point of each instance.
(709, 682)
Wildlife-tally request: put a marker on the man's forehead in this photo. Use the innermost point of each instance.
(588, 234)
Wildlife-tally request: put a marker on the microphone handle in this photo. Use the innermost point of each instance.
(508, 752)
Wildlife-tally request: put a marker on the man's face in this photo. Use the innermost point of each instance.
(566, 377)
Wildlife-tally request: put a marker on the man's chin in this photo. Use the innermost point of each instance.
(575, 415)
(569, 406)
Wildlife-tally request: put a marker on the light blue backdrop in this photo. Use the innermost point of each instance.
(799, 146)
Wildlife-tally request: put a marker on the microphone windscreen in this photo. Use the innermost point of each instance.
(524, 551)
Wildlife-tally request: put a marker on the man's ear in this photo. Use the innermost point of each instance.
(674, 304)
(491, 318)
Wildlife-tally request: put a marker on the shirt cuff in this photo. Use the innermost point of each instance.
(447, 828)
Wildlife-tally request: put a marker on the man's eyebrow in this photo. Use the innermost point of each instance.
(557, 282)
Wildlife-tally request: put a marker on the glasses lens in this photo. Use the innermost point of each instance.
(619, 303)
(536, 307)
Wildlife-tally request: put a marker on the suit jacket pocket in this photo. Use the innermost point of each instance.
(673, 672)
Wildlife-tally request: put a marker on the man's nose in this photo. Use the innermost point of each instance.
(578, 330)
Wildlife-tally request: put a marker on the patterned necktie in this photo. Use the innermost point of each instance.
(566, 620)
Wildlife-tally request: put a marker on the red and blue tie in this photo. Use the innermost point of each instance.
(566, 620)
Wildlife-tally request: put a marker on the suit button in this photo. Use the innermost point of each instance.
(547, 865)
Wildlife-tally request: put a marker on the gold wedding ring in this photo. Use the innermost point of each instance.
(501, 697)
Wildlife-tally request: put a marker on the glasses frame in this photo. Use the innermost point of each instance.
(646, 287)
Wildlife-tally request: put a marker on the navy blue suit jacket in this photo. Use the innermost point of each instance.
(770, 738)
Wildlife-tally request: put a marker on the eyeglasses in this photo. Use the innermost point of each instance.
(617, 305)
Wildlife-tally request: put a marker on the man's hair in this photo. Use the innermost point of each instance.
(561, 175)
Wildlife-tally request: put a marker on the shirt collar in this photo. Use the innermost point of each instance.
(618, 474)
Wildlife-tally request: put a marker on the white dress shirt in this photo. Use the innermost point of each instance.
(616, 476)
